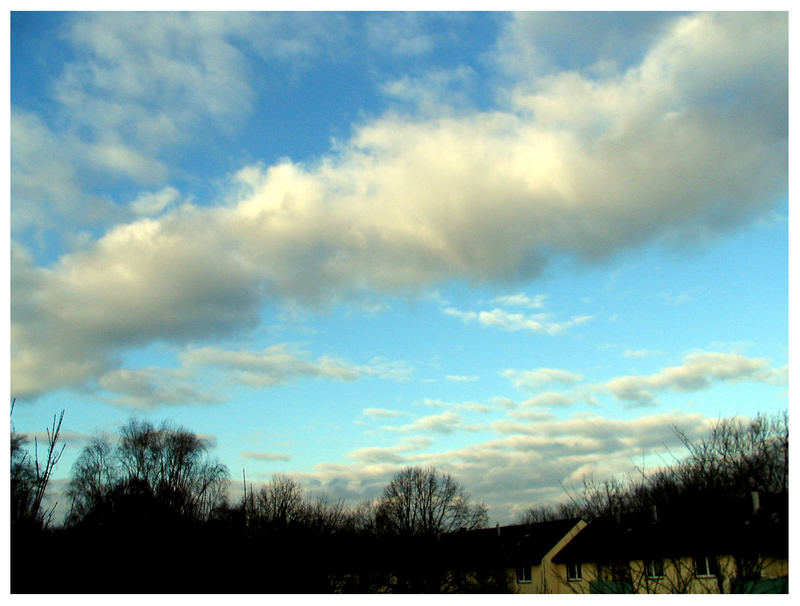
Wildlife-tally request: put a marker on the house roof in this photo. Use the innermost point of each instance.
(520, 544)
(732, 529)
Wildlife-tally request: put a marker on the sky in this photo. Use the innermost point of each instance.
(519, 247)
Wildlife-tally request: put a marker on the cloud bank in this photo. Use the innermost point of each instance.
(685, 141)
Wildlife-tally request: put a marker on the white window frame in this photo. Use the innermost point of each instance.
(523, 572)
(653, 571)
(576, 569)
(708, 567)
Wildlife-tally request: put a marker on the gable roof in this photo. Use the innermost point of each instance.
(683, 533)
(521, 544)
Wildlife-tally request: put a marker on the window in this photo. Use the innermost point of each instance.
(705, 566)
(574, 572)
(523, 574)
(655, 569)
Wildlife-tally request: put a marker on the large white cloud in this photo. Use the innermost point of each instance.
(685, 144)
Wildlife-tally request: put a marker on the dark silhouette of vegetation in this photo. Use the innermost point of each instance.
(30, 477)
(425, 502)
(150, 470)
(717, 486)
(148, 513)
(735, 458)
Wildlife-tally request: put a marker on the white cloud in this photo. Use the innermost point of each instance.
(534, 379)
(377, 455)
(522, 300)
(461, 378)
(273, 366)
(393, 370)
(64, 437)
(584, 166)
(435, 91)
(185, 60)
(550, 399)
(399, 453)
(530, 463)
(447, 422)
(499, 318)
(147, 388)
(380, 413)
(698, 371)
(539, 43)
(135, 85)
(152, 203)
(679, 299)
(641, 353)
(266, 456)
(458, 406)
(46, 179)
(402, 34)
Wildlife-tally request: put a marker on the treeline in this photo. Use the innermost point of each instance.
(734, 459)
(148, 512)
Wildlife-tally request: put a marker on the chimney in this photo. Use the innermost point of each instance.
(756, 501)
(497, 526)
(653, 514)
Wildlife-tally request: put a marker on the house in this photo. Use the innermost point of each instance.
(507, 558)
(736, 548)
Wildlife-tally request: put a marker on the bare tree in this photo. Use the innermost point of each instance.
(94, 474)
(425, 502)
(30, 477)
(738, 456)
(167, 465)
(279, 502)
(718, 481)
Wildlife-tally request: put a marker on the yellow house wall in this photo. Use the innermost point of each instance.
(775, 569)
(544, 576)
(678, 577)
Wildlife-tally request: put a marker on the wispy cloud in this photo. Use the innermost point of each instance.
(499, 318)
(445, 423)
(147, 388)
(402, 35)
(461, 378)
(380, 413)
(530, 462)
(153, 203)
(698, 371)
(550, 399)
(675, 299)
(394, 370)
(273, 366)
(394, 454)
(266, 456)
(521, 300)
(535, 379)
(642, 353)
(457, 406)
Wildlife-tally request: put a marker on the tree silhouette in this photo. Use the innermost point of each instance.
(164, 470)
(30, 477)
(426, 502)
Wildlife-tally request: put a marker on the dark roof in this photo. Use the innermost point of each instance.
(513, 545)
(731, 529)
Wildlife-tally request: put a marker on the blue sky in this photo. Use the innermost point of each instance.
(518, 247)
